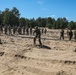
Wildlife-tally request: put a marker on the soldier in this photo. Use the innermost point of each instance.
(30, 30)
(27, 31)
(5, 29)
(19, 30)
(45, 30)
(0, 41)
(9, 28)
(70, 34)
(75, 35)
(14, 29)
(42, 30)
(38, 35)
(1, 28)
(62, 34)
(24, 30)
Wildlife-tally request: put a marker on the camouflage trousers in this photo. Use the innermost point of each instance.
(39, 38)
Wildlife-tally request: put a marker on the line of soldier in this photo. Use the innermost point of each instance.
(7, 29)
(70, 34)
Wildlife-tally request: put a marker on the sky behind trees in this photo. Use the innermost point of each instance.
(42, 8)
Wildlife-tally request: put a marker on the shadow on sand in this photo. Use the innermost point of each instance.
(44, 46)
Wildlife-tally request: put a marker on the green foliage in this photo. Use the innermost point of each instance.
(22, 22)
(0, 17)
(49, 26)
(12, 17)
(71, 25)
(6, 16)
(15, 12)
(32, 22)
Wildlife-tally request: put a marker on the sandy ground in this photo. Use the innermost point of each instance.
(18, 55)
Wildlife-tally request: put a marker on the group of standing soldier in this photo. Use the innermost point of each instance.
(7, 29)
(70, 34)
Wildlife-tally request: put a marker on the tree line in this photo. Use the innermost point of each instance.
(12, 17)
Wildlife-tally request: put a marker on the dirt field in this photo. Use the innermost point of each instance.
(18, 55)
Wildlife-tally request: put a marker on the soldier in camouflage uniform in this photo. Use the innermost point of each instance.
(62, 34)
(24, 30)
(19, 30)
(1, 28)
(70, 34)
(14, 29)
(45, 30)
(9, 29)
(75, 35)
(38, 35)
(5, 29)
(27, 31)
(42, 30)
(30, 30)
